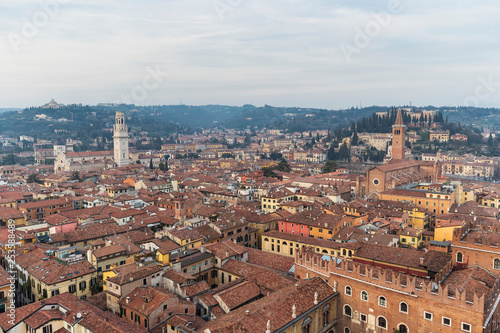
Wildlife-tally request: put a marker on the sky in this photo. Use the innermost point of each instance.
(314, 53)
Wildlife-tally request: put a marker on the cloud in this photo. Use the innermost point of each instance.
(279, 52)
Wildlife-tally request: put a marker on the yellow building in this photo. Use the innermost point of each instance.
(490, 200)
(418, 218)
(270, 202)
(6, 293)
(441, 136)
(162, 249)
(445, 233)
(186, 237)
(424, 197)
(288, 244)
(411, 237)
(52, 277)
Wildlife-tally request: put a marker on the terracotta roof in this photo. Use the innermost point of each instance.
(275, 309)
(225, 249)
(238, 294)
(179, 277)
(108, 250)
(145, 300)
(93, 318)
(433, 261)
(137, 274)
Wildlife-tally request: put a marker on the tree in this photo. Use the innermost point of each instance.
(344, 152)
(283, 166)
(161, 166)
(33, 178)
(329, 166)
(75, 176)
(151, 164)
(275, 156)
(355, 138)
(269, 172)
(331, 155)
(227, 155)
(490, 140)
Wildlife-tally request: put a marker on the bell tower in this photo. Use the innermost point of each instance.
(120, 140)
(398, 138)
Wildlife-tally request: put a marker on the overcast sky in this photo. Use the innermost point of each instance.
(314, 53)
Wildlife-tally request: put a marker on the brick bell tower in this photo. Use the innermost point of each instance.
(398, 138)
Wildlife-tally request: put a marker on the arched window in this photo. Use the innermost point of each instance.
(364, 295)
(381, 322)
(403, 307)
(459, 257)
(347, 311)
(326, 315)
(496, 263)
(347, 330)
(266, 240)
(403, 328)
(382, 301)
(348, 291)
(306, 325)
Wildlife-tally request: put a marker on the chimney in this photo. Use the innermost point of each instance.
(268, 327)
(315, 298)
(227, 253)
(421, 261)
(294, 314)
(127, 300)
(247, 313)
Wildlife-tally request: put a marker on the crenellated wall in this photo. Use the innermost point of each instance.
(420, 295)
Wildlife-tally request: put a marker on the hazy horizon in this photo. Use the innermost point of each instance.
(235, 52)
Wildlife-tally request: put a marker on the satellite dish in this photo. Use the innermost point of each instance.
(78, 315)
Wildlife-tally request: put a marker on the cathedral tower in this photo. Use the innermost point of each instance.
(120, 140)
(398, 138)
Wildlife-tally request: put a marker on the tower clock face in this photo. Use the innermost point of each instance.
(376, 181)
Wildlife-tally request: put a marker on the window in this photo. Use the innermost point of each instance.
(362, 317)
(326, 315)
(306, 325)
(382, 301)
(47, 329)
(83, 285)
(496, 263)
(348, 291)
(403, 307)
(446, 321)
(72, 288)
(381, 322)
(466, 327)
(347, 311)
(364, 295)
(347, 330)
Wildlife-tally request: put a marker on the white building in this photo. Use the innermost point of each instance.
(120, 138)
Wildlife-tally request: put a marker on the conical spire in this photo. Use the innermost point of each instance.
(399, 118)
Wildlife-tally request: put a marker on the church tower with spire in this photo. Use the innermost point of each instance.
(398, 138)
(120, 140)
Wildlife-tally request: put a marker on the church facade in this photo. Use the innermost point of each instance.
(399, 171)
(97, 160)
